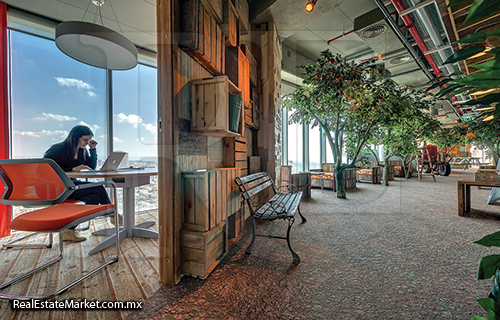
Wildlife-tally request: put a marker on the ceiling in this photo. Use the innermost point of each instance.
(306, 34)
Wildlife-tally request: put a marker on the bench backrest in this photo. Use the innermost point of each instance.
(253, 184)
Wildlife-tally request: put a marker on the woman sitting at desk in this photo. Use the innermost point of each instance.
(72, 155)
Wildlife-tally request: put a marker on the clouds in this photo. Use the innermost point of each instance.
(136, 121)
(54, 117)
(43, 133)
(131, 118)
(79, 84)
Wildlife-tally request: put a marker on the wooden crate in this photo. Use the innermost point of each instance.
(210, 107)
(237, 70)
(230, 24)
(252, 65)
(303, 182)
(369, 175)
(209, 197)
(241, 7)
(202, 251)
(201, 37)
(235, 154)
(214, 8)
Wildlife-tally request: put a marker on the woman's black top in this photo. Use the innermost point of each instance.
(64, 157)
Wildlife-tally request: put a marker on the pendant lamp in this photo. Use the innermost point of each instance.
(95, 44)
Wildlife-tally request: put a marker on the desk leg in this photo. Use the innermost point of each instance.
(133, 230)
(108, 242)
(461, 207)
(128, 210)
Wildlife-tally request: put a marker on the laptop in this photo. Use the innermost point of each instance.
(112, 161)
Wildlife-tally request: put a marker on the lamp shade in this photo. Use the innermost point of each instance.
(96, 45)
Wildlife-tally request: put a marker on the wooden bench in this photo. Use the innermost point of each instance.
(283, 205)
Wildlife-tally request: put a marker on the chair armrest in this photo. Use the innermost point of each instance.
(97, 184)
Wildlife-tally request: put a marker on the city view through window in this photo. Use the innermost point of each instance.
(51, 93)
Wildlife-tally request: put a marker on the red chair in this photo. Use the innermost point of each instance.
(32, 182)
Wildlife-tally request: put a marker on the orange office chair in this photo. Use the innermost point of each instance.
(31, 182)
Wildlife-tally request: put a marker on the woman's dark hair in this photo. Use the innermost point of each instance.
(74, 136)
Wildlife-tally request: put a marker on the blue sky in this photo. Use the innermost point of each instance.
(51, 93)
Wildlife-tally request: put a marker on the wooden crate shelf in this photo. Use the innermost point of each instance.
(202, 251)
(209, 197)
(210, 107)
(238, 72)
(235, 154)
(202, 38)
(230, 24)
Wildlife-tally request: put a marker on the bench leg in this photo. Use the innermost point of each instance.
(303, 219)
(296, 257)
(249, 248)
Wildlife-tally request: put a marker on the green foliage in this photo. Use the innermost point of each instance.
(465, 53)
(351, 103)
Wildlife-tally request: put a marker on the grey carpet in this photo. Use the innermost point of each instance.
(397, 252)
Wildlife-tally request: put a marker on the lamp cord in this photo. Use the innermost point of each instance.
(116, 18)
(87, 9)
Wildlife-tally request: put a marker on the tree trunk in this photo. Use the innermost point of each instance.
(339, 182)
(385, 173)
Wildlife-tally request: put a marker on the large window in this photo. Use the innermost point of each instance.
(50, 93)
(314, 148)
(295, 147)
(134, 125)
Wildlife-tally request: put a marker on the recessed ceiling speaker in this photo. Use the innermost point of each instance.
(373, 31)
(399, 60)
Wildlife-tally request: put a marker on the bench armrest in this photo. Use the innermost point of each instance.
(289, 188)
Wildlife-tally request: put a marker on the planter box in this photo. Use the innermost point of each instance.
(327, 180)
(202, 251)
(489, 175)
(303, 182)
(369, 175)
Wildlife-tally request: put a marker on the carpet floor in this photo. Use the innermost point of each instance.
(396, 252)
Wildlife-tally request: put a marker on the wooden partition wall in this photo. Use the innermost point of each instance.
(180, 149)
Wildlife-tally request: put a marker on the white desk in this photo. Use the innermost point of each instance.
(128, 180)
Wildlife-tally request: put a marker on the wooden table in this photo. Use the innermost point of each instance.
(128, 180)
(463, 187)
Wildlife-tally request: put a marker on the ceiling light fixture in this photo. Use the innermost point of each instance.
(310, 5)
(95, 44)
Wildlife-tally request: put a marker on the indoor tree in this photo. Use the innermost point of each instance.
(399, 130)
(345, 100)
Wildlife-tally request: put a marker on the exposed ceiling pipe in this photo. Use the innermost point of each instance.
(342, 35)
(435, 37)
(417, 6)
(402, 38)
(410, 26)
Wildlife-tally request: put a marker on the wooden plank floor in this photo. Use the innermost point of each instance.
(134, 277)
